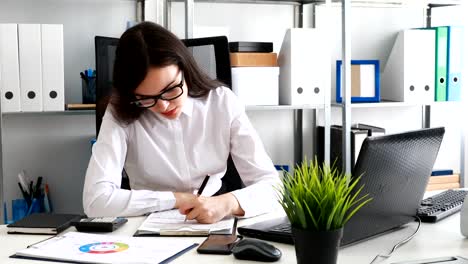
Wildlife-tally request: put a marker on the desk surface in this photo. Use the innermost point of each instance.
(433, 240)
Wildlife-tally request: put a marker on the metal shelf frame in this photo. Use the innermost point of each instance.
(298, 110)
(346, 15)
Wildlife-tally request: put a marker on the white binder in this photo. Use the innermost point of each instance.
(53, 83)
(304, 61)
(409, 73)
(9, 68)
(29, 40)
(455, 63)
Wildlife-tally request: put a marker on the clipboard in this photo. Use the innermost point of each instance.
(172, 223)
(75, 247)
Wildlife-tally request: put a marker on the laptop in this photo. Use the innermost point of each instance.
(395, 171)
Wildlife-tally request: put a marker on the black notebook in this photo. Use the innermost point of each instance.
(42, 223)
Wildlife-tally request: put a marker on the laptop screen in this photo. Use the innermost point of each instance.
(394, 170)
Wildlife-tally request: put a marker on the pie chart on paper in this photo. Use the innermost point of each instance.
(103, 247)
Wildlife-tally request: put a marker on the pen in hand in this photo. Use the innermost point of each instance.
(200, 190)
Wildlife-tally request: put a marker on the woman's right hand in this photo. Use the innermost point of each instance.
(184, 201)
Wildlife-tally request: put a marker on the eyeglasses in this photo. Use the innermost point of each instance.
(169, 94)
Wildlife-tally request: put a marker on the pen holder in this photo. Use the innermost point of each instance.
(89, 90)
(20, 208)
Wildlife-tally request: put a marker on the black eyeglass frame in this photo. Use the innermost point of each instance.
(161, 95)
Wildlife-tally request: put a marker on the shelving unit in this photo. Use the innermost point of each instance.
(282, 107)
(347, 105)
(378, 105)
(346, 51)
(298, 22)
(42, 130)
(50, 113)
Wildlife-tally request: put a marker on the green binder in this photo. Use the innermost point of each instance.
(441, 63)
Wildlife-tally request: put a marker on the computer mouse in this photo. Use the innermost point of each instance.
(255, 249)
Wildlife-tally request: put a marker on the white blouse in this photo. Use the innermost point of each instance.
(162, 156)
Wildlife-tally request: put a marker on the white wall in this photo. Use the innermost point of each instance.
(243, 22)
(55, 146)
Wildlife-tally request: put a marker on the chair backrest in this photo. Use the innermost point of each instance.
(211, 55)
(105, 48)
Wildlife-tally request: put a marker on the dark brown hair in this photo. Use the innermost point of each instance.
(150, 45)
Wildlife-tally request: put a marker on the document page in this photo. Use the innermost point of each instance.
(172, 222)
(94, 248)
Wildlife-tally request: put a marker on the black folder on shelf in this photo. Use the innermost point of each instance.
(371, 130)
(359, 132)
(357, 138)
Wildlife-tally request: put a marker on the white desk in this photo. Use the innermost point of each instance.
(433, 240)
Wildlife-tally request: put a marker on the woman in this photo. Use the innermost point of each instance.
(169, 126)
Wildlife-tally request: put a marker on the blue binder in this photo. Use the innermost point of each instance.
(454, 63)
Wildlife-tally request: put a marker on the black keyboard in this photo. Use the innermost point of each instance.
(441, 205)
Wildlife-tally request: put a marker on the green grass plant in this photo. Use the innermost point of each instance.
(320, 198)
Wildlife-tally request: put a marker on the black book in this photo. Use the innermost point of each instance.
(42, 223)
(245, 46)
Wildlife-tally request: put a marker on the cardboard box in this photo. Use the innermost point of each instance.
(250, 59)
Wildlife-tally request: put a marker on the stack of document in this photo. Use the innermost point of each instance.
(172, 223)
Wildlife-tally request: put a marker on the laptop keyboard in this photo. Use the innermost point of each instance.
(441, 205)
(283, 228)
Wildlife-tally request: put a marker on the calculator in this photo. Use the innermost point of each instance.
(99, 224)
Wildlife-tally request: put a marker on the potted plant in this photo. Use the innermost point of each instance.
(319, 200)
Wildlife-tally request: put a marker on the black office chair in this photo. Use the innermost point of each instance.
(212, 56)
(105, 48)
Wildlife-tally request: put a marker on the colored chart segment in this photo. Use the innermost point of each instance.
(103, 247)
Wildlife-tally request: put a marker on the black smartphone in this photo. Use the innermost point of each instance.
(219, 244)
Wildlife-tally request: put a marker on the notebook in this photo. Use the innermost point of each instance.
(42, 223)
(172, 223)
(74, 247)
(395, 171)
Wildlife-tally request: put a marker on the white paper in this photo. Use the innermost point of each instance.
(173, 220)
(93, 248)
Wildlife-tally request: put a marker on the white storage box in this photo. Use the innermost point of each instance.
(304, 61)
(256, 85)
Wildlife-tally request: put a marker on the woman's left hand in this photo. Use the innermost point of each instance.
(209, 210)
